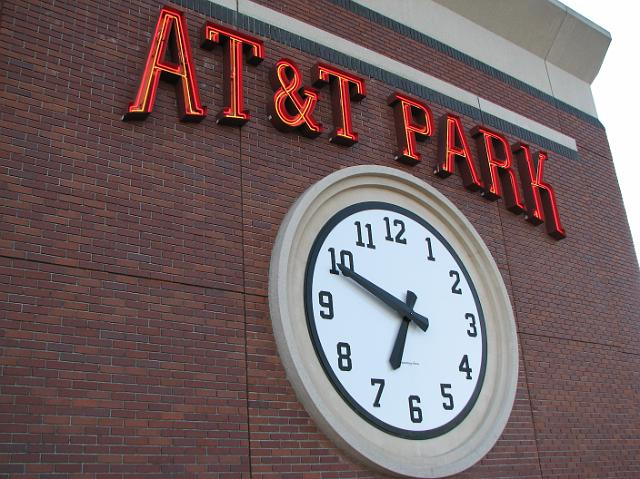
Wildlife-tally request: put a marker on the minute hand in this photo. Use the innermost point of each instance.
(387, 298)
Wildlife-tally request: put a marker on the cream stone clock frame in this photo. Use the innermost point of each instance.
(329, 382)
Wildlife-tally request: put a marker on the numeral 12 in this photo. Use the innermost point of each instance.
(399, 238)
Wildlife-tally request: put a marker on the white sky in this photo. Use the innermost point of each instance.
(616, 91)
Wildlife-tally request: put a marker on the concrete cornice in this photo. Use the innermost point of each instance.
(541, 43)
(547, 28)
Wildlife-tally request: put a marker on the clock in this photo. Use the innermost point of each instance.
(395, 319)
(393, 323)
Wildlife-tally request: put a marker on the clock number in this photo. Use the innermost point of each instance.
(344, 356)
(454, 288)
(464, 366)
(345, 257)
(414, 411)
(334, 269)
(443, 390)
(388, 237)
(399, 236)
(380, 384)
(326, 301)
(367, 226)
(429, 248)
(474, 331)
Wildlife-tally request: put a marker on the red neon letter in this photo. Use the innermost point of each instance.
(495, 167)
(540, 199)
(171, 37)
(344, 87)
(413, 122)
(293, 104)
(453, 146)
(237, 44)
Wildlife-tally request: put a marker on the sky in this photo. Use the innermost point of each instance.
(616, 91)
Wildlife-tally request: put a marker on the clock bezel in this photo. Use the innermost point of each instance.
(469, 441)
(315, 339)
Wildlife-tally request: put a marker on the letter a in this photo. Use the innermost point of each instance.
(170, 38)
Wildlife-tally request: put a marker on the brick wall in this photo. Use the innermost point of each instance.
(135, 338)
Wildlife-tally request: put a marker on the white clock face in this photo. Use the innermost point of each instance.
(395, 320)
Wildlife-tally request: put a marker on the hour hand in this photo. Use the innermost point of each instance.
(387, 298)
(398, 346)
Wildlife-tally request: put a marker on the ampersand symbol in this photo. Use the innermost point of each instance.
(293, 105)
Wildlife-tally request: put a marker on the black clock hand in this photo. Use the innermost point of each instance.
(386, 298)
(398, 347)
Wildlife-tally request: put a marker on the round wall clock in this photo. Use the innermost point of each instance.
(393, 322)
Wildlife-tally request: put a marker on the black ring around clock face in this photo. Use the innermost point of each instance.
(320, 352)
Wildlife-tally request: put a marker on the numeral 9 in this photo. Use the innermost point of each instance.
(326, 301)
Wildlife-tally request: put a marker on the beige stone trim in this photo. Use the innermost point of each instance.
(467, 443)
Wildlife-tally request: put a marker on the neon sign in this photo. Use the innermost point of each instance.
(293, 105)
